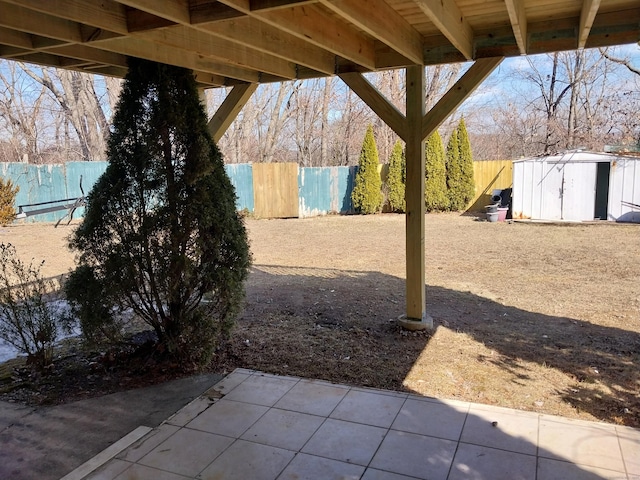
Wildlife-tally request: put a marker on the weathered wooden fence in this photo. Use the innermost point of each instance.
(490, 175)
(266, 190)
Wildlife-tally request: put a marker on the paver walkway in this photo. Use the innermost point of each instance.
(254, 426)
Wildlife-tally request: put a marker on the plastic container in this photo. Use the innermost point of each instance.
(502, 214)
(492, 208)
(492, 217)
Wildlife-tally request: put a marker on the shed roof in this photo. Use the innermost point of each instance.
(228, 42)
(575, 156)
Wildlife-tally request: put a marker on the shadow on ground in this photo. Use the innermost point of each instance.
(49, 442)
(338, 326)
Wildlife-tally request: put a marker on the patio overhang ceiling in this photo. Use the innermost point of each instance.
(230, 42)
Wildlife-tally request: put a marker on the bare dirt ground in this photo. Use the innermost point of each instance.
(537, 317)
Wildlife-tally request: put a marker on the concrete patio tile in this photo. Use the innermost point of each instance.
(483, 463)
(508, 411)
(346, 441)
(109, 470)
(373, 474)
(369, 408)
(247, 460)
(189, 411)
(150, 441)
(309, 467)
(582, 443)
(430, 418)
(573, 421)
(459, 404)
(415, 455)
(226, 417)
(284, 429)
(230, 382)
(141, 472)
(515, 433)
(554, 469)
(261, 390)
(186, 452)
(630, 445)
(312, 397)
(391, 393)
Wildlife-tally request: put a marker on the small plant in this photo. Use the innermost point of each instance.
(367, 194)
(8, 194)
(27, 320)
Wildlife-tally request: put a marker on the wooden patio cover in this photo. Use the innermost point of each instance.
(242, 43)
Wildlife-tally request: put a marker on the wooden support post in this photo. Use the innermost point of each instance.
(416, 316)
(413, 129)
(230, 108)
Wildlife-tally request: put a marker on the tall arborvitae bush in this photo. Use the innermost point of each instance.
(435, 189)
(454, 174)
(367, 190)
(8, 194)
(396, 179)
(467, 182)
(161, 237)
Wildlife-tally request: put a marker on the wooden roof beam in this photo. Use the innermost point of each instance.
(381, 21)
(200, 43)
(22, 19)
(377, 102)
(72, 32)
(180, 11)
(230, 108)
(312, 24)
(104, 14)
(446, 15)
(175, 10)
(139, 47)
(587, 17)
(83, 52)
(457, 94)
(253, 33)
(269, 48)
(518, 18)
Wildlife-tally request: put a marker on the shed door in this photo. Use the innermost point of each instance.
(551, 194)
(579, 191)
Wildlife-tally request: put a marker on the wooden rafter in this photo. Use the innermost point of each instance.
(253, 33)
(446, 15)
(189, 40)
(230, 108)
(457, 94)
(518, 18)
(257, 38)
(382, 22)
(239, 41)
(311, 24)
(138, 47)
(377, 102)
(587, 16)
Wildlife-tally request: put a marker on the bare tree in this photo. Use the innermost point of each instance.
(76, 95)
(21, 115)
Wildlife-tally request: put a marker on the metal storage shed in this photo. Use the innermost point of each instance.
(577, 186)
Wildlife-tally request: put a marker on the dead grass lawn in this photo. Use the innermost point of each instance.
(536, 317)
